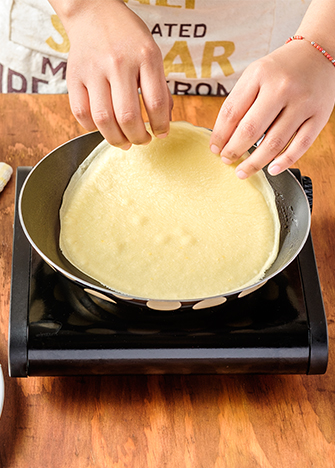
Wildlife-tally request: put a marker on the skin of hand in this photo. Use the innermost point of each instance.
(290, 92)
(113, 55)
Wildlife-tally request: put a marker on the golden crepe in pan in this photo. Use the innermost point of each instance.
(169, 220)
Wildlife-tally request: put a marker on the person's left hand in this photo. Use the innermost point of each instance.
(290, 92)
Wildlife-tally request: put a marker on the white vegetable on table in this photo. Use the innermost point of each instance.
(6, 172)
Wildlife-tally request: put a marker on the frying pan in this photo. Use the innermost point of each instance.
(40, 200)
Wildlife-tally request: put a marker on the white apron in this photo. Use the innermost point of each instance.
(206, 44)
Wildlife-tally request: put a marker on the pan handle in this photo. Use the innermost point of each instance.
(308, 187)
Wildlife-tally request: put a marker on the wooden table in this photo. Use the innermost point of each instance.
(241, 421)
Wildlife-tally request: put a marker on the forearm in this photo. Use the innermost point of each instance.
(318, 24)
(69, 10)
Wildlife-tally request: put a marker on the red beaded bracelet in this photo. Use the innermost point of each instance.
(314, 44)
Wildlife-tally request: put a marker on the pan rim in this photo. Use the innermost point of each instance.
(109, 291)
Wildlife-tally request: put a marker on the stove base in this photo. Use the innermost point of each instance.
(58, 329)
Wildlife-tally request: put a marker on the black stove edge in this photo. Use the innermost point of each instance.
(185, 361)
(19, 293)
(318, 358)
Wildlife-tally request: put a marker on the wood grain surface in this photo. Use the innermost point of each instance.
(173, 421)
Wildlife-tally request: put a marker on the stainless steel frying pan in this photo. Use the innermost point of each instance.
(41, 197)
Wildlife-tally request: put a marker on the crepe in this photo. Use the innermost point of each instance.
(168, 220)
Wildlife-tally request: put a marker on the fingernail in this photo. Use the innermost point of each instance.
(215, 149)
(126, 146)
(274, 170)
(226, 160)
(241, 174)
(162, 135)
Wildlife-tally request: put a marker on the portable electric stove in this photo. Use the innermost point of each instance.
(56, 328)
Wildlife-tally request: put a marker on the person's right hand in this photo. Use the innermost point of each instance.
(113, 55)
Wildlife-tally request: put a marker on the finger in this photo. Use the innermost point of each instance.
(283, 151)
(277, 138)
(253, 125)
(156, 98)
(303, 140)
(103, 114)
(80, 105)
(262, 156)
(235, 106)
(127, 108)
(171, 103)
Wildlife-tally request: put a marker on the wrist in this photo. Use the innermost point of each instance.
(314, 44)
(318, 24)
(69, 10)
(324, 40)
